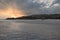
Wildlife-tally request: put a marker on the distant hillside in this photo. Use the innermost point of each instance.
(40, 16)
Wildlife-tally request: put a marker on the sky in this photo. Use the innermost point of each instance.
(29, 7)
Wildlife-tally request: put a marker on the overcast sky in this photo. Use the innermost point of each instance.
(34, 6)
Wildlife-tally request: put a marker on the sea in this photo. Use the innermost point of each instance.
(48, 29)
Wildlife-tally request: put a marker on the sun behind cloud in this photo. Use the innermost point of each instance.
(11, 11)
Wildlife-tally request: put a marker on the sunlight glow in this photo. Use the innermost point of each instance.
(10, 11)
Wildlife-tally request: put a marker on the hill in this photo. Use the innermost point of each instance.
(40, 16)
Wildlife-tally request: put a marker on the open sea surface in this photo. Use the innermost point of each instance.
(30, 29)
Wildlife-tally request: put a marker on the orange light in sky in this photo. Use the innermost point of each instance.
(11, 12)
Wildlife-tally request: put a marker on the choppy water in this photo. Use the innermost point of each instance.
(29, 29)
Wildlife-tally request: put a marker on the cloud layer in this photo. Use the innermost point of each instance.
(47, 6)
(33, 6)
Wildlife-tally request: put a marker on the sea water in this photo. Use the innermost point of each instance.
(30, 29)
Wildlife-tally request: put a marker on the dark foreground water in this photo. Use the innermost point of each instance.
(29, 29)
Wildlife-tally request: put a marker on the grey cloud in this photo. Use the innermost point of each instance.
(33, 7)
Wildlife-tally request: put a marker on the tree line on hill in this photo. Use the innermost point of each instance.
(39, 16)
